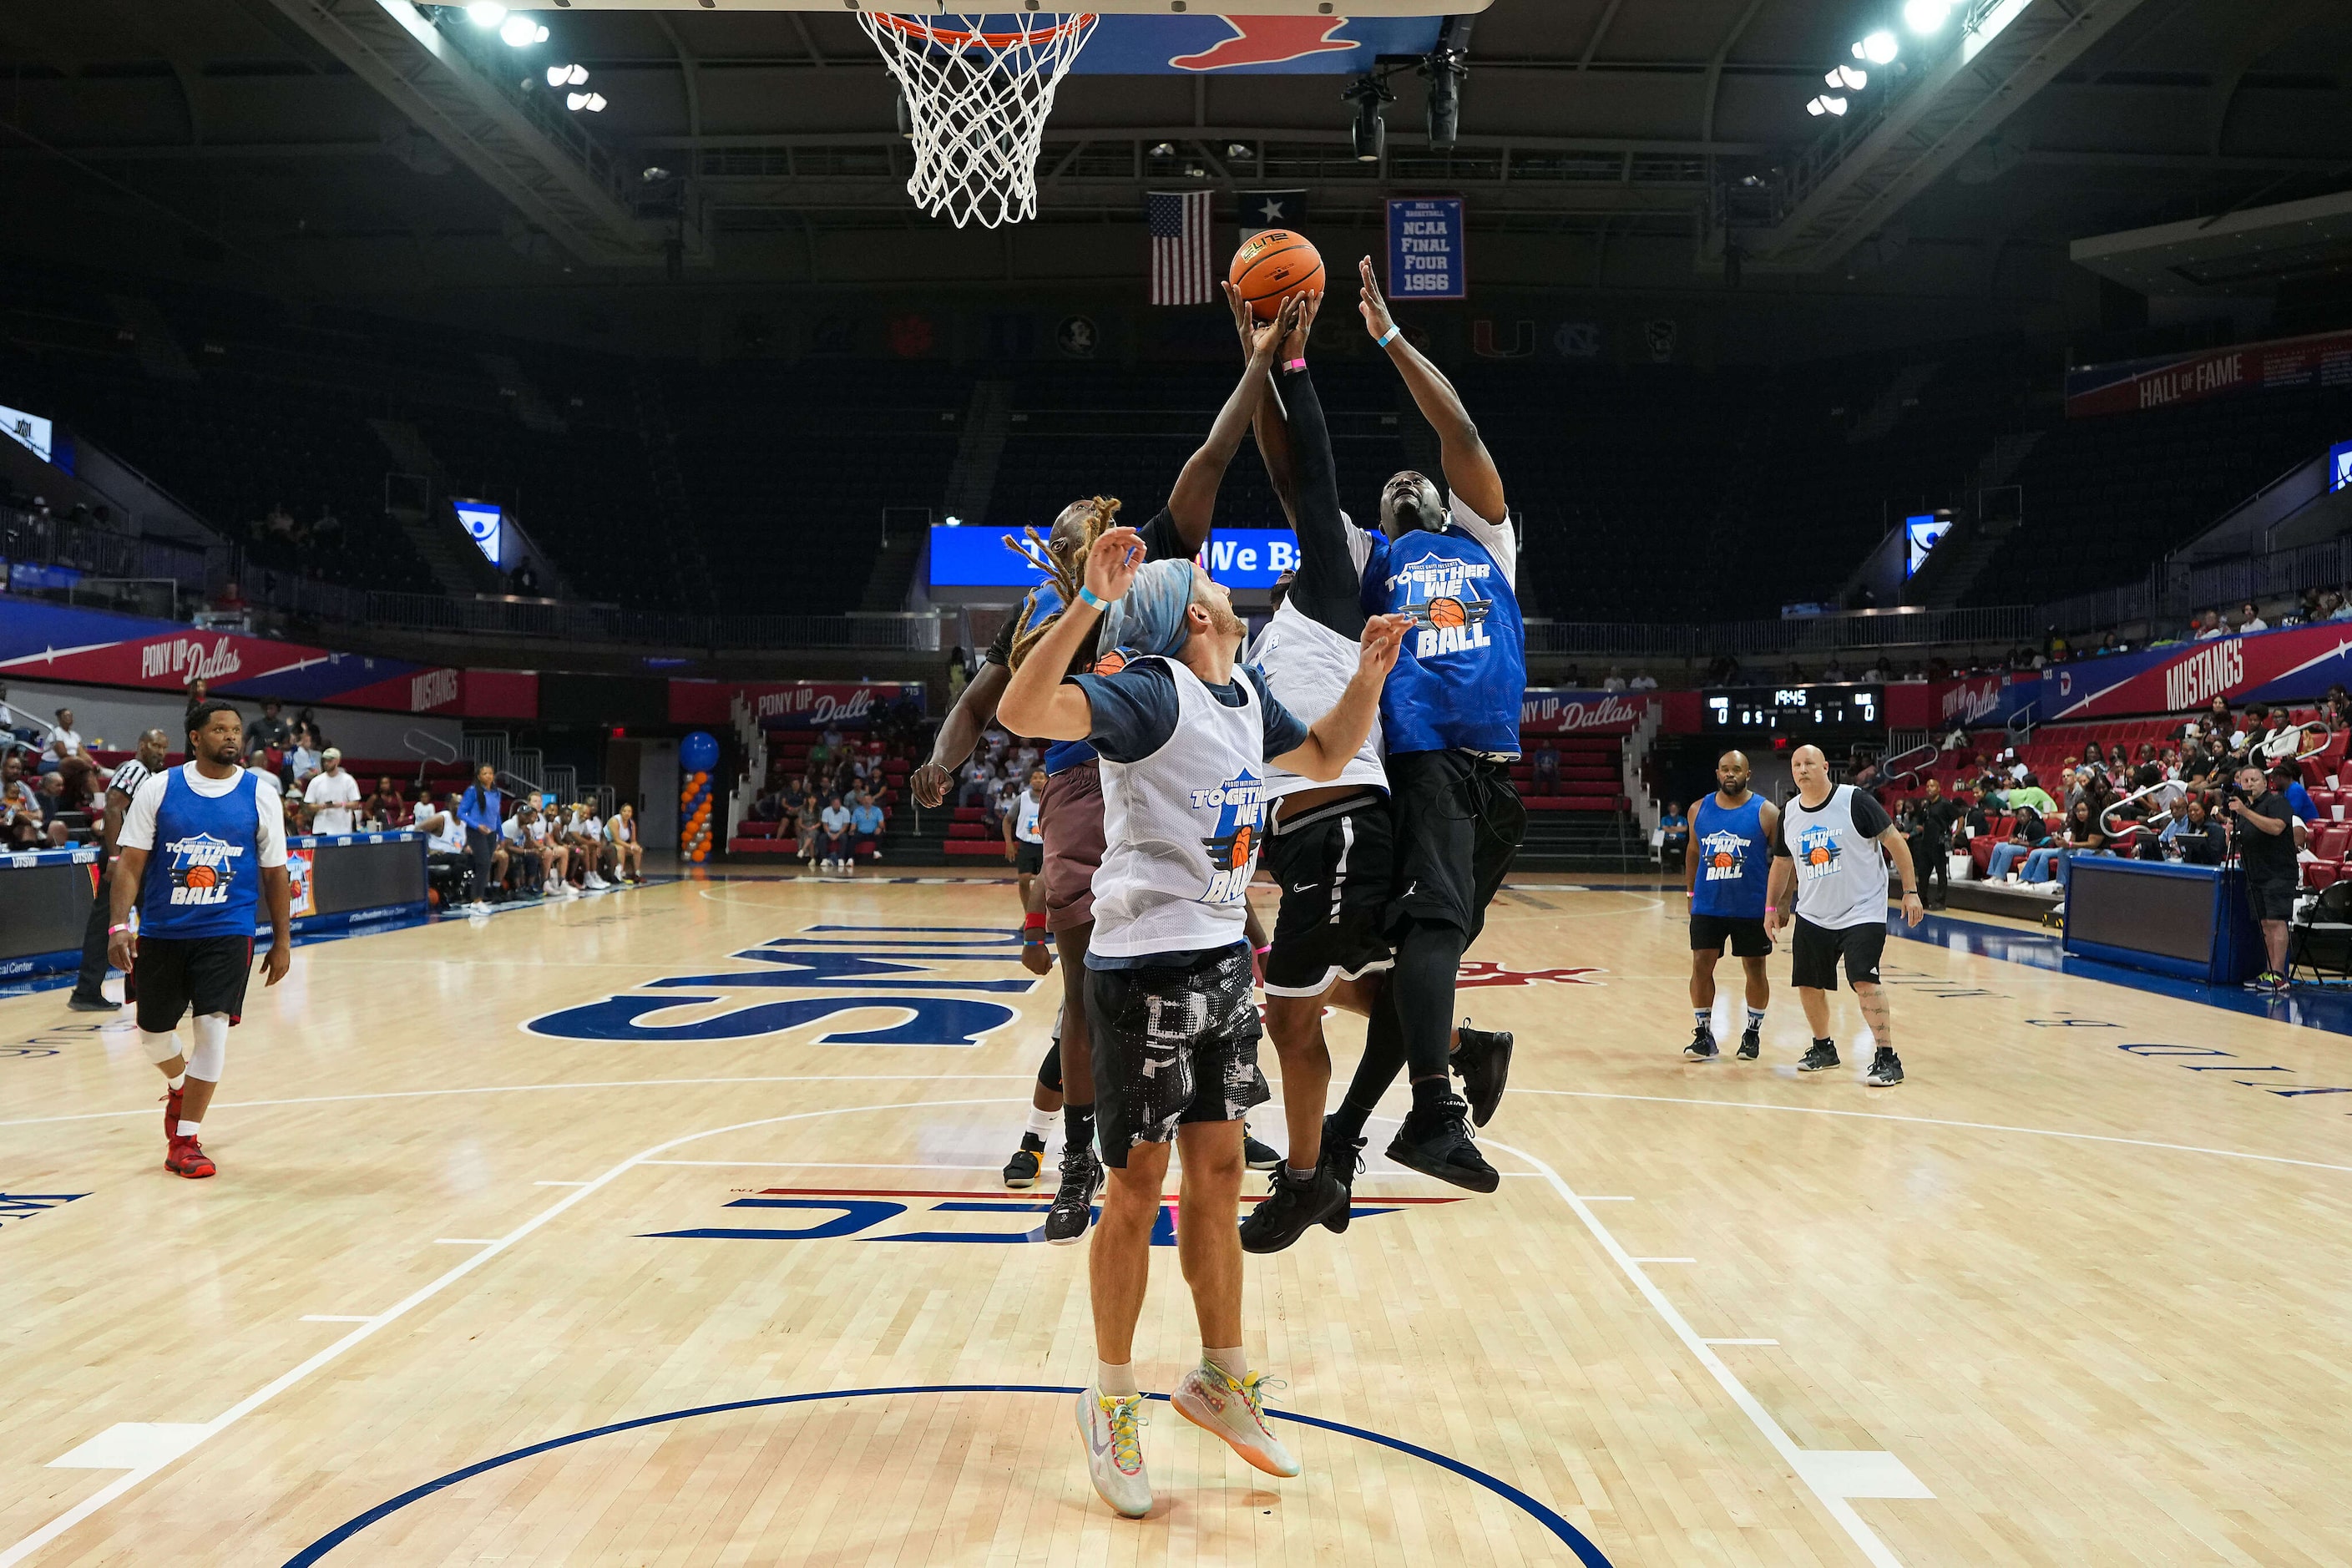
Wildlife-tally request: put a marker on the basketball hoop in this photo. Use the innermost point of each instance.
(977, 90)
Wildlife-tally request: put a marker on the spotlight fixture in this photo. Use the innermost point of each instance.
(566, 76)
(1815, 107)
(521, 32)
(485, 13)
(1825, 104)
(593, 102)
(1445, 68)
(1926, 15)
(1879, 49)
(1370, 133)
(1163, 150)
(1236, 150)
(1851, 77)
(653, 174)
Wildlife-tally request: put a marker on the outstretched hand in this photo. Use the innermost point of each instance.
(1382, 642)
(1370, 303)
(1272, 337)
(1112, 563)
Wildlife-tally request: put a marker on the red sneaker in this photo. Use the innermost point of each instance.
(187, 1158)
(171, 1098)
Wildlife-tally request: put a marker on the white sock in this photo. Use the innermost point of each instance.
(176, 1084)
(1231, 1362)
(1299, 1175)
(187, 1128)
(1756, 1017)
(1116, 1381)
(1704, 1017)
(1041, 1123)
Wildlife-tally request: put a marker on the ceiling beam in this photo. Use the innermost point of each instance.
(1600, 31)
(1715, 68)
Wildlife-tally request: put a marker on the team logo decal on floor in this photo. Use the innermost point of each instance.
(891, 969)
(16, 1207)
(1479, 972)
(831, 1213)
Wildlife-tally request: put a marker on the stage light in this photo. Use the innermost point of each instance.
(1369, 133)
(485, 13)
(1926, 15)
(1851, 77)
(1815, 107)
(521, 32)
(1163, 150)
(566, 76)
(1236, 150)
(1879, 49)
(593, 102)
(953, 522)
(655, 174)
(1834, 105)
(1445, 71)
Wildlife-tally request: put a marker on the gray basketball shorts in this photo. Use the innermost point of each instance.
(1172, 1045)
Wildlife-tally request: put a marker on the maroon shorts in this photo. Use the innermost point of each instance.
(1071, 817)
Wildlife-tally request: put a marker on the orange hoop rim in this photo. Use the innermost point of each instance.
(965, 40)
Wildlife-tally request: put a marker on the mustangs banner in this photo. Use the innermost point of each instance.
(2298, 662)
(55, 642)
(1548, 711)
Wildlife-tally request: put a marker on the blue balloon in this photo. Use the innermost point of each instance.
(699, 753)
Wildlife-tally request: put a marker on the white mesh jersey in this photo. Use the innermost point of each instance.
(1182, 827)
(1307, 666)
(1840, 873)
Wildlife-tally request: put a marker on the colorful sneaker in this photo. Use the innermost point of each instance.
(1483, 1062)
(1112, 1427)
(187, 1158)
(1342, 1157)
(1886, 1068)
(1073, 1202)
(1751, 1044)
(1213, 1400)
(1258, 1156)
(1819, 1056)
(1020, 1170)
(1702, 1046)
(171, 1098)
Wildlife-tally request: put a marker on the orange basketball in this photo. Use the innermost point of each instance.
(199, 877)
(1447, 613)
(1111, 663)
(1270, 266)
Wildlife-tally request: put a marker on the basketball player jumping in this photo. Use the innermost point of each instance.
(1731, 836)
(1169, 972)
(202, 846)
(1072, 814)
(1832, 846)
(1331, 847)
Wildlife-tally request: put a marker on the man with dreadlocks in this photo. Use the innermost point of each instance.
(1072, 817)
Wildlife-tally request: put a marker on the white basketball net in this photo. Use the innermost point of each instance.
(978, 99)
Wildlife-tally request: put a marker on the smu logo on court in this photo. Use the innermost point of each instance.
(1441, 598)
(1817, 852)
(201, 870)
(1480, 971)
(896, 974)
(834, 1214)
(1725, 854)
(1233, 847)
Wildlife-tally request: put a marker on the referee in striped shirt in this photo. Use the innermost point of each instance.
(153, 746)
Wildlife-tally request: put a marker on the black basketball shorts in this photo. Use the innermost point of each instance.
(172, 976)
(1333, 864)
(1171, 1045)
(1746, 938)
(1458, 827)
(1028, 859)
(1815, 952)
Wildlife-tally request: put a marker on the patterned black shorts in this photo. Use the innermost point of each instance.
(1171, 1045)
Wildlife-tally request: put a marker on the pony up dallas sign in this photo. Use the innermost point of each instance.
(1554, 712)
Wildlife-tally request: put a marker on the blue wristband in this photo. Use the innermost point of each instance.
(1088, 596)
(1385, 338)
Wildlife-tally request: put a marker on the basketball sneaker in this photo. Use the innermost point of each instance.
(2268, 980)
(1258, 1156)
(1438, 1143)
(78, 1003)
(1751, 1044)
(1342, 1158)
(1020, 1170)
(1886, 1068)
(187, 1158)
(1112, 1426)
(596, 884)
(1483, 1062)
(171, 1098)
(1291, 1205)
(1233, 1409)
(1819, 1056)
(1074, 1203)
(1701, 1048)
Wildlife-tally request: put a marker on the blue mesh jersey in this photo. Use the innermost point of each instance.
(203, 874)
(1459, 680)
(1734, 858)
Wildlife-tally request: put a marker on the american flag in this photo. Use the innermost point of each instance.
(1179, 247)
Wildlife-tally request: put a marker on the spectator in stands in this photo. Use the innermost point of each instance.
(977, 776)
(959, 671)
(20, 807)
(2342, 608)
(1674, 842)
(806, 828)
(1642, 683)
(69, 760)
(1992, 791)
(303, 759)
(2336, 707)
(2308, 610)
(1574, 677)
(198, 694)
(2028, 793)
(1874, 672)
(270, 729)
(1931, 842)
(291, 809)
(2298, 799)
(769, 806)
(2095, 756)
(628, 853)
(1833, 672)
(866, 822)
(525, 842)
(55, 830)
(1546, 766)
(836, 822)
(2084, 836)
(445, 844)
(2249, 619)
(2264, 832)
(385, 809)
(2029, 831)
(1614, 680)
(2193, 836)
(2282, 739)
(2206, 624)
(330, 794)
(482, 810)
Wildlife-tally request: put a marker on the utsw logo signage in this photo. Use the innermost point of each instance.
(857, 986)
(924, 1217)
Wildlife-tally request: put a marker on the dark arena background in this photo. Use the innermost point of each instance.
(658, 412)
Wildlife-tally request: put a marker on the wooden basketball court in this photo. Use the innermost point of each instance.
(566, 1237)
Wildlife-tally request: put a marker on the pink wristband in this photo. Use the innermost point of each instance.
(1296, 364)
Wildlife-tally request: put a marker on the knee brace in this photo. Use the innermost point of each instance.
(1049, 1071)
(161, 1048)
(212, 1048)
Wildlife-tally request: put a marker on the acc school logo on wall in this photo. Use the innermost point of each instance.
(871, 1214)
(1817, 852)
(1233, 847)
(1448, 611)
(203, 869)
(1725, 854)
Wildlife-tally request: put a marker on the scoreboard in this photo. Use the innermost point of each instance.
(1796, 709)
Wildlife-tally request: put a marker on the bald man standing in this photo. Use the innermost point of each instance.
(1832, 848)
(1731, 853)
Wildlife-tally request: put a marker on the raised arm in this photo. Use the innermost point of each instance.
(1037, 702)
(1470, 470)
(1270, 425)
(959, 732)
(1193, 503)
(1339, 735)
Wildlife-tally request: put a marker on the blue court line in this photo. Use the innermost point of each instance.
(2326, 1009)
(1567, 1533)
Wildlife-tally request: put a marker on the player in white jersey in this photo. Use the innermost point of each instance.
(1174, 1036)
(1831, 848)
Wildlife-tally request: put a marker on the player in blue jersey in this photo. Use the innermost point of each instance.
(1730, 862)
(203, 850)
(1450, 720)
(1072, 814)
